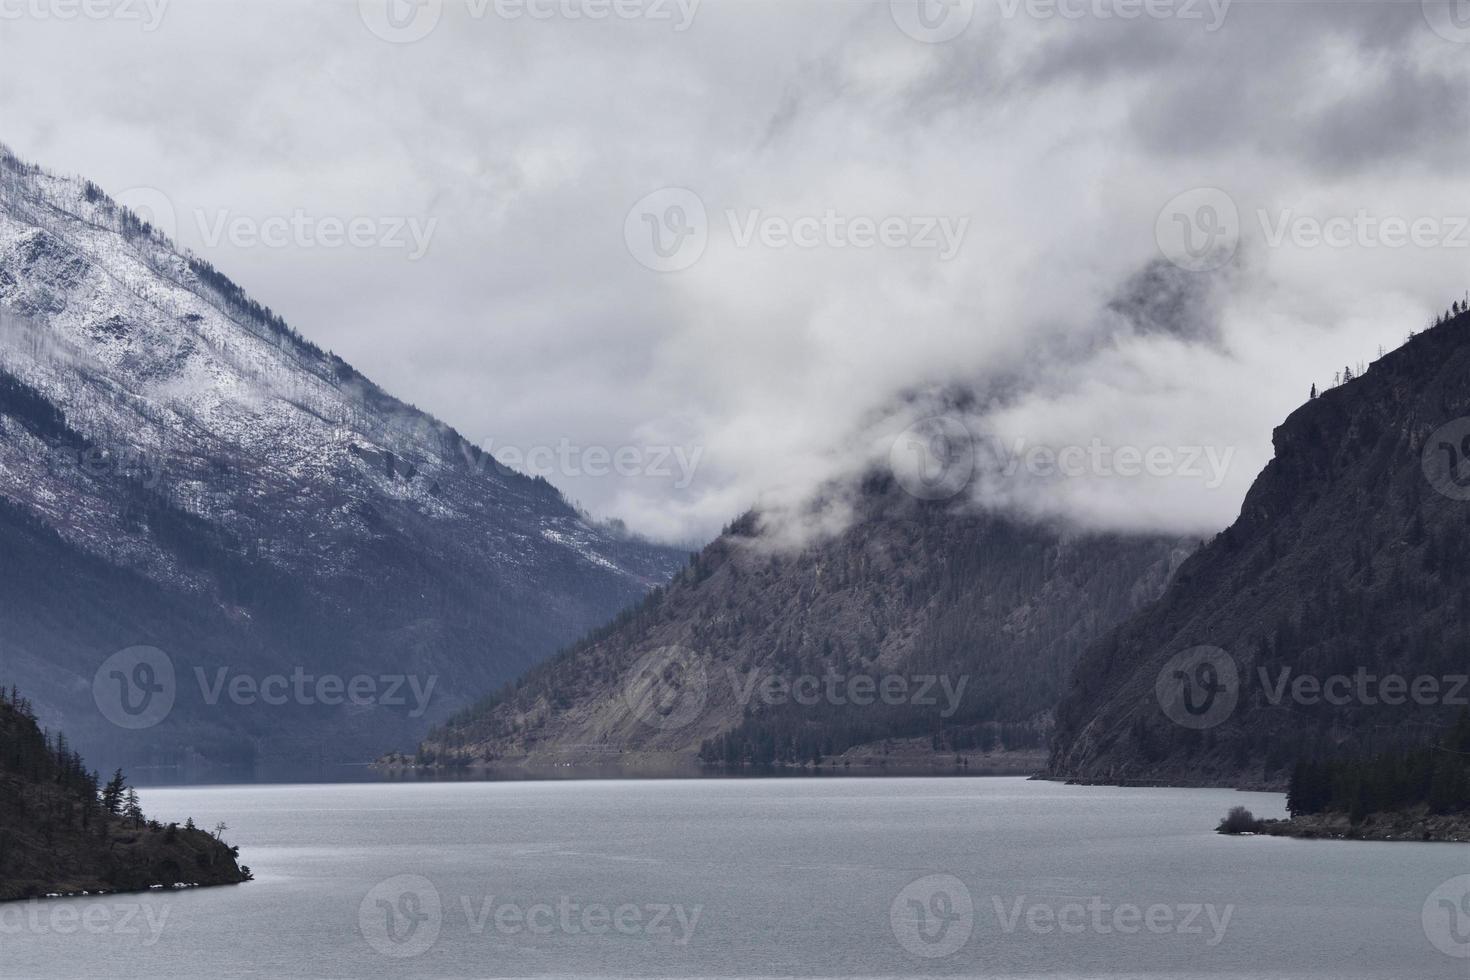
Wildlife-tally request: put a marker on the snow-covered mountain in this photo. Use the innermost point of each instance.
(180, 469)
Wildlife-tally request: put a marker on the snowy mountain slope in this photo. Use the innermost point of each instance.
(157, 423)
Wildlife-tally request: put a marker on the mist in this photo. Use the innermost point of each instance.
(838, 219)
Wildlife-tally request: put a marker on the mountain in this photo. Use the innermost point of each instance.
(918, 635)
(1331, 620)
(197, 503)
(61, 832)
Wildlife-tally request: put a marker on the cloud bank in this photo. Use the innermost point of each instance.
(775, 234)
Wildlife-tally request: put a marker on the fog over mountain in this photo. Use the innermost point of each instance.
(1031, 158)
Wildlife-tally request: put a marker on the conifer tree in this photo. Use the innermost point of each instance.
(112, 794)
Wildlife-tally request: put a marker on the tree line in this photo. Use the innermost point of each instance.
(1436, 777)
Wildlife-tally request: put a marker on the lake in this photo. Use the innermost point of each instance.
(991, 877)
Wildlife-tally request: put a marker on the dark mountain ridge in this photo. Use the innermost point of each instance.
(972, 619)
(1302, 630)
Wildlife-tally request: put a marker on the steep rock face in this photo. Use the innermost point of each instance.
(989, 614)
(1350, 559)
(180, 469)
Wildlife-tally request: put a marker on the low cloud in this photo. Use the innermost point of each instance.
(529, 322)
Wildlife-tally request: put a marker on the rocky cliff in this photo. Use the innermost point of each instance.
(1331, 619)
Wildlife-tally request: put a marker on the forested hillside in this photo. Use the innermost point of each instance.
(64, 831)
(973, 619)
(1330, 621)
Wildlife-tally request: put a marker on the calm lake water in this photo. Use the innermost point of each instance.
(993, 878)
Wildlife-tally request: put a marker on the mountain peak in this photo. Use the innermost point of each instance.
(199, 440)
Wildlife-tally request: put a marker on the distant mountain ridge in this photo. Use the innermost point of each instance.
(1332, 619)
(180, 469)
(757, 655)
(1328, 622)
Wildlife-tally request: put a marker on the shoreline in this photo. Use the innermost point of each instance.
(521, 772)
(1415, 827)
(177, 886)
(858, 762)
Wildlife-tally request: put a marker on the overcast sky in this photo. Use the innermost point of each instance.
(992, 194)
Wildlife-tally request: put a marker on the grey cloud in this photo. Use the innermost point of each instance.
(529, 322)
(1413, 117)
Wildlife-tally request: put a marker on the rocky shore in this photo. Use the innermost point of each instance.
(1411, 825)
